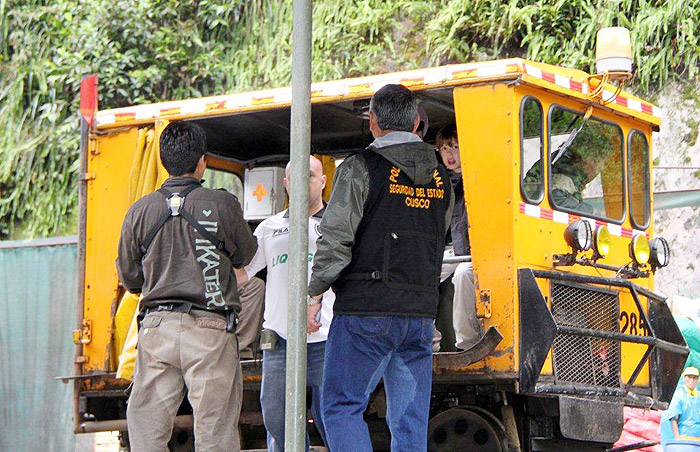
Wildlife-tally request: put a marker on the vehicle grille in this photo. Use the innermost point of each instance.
(581, 359)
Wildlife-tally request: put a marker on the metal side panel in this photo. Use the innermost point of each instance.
(669, 365)
(590, 420)
(537, 330)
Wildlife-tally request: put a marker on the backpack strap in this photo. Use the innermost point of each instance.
(219, 244)
(175, 202)
(154, 230)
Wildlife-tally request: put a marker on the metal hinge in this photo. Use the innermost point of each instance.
(84, 335)
(87, 176)
(93, 146)
(82, 359)
(483, 308)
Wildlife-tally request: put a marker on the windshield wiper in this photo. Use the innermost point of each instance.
(561, 150)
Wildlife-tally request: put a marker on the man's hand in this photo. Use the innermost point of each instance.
(313, 318)
(241, 276)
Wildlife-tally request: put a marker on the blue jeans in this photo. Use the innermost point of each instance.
(361, 350)
(273, 394)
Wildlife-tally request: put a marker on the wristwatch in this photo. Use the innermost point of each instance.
(313, 301)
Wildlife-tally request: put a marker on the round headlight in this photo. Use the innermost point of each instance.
(639, 249)
(660, 252)
(602, 240)
(579, 236)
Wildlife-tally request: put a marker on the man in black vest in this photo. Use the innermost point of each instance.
(381, 248)
(177, 249)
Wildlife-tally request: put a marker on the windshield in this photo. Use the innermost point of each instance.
(531, 149)
(638, 154)
(586, 177)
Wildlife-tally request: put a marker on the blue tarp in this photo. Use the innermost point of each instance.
(38, 296)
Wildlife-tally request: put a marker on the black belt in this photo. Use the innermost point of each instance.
(186, 308)
(363, 276)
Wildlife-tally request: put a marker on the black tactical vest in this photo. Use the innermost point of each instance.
(397, 255)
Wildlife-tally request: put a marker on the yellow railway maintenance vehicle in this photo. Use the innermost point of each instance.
(556, 167)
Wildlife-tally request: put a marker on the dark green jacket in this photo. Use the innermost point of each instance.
(350, 189)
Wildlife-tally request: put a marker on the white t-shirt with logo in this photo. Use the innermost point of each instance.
(273, 248)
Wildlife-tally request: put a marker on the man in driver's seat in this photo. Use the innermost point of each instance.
(570, 176)
(579, 165)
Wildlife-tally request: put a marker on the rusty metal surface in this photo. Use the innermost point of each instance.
(486, 345)
(38, 296)
(590, 420)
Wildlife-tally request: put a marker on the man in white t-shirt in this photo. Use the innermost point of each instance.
(273, 248)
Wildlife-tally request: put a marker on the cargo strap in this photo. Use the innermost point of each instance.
(175, 203)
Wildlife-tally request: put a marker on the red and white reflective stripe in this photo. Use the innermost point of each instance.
(567, 218)
(105, 119)
(557, 79)
(172, 110)
(358, 86)
(436, 75)
(377, 85)
(632, 104)
(282, 96)
(581, 87)
(328, 90)
(492, 71)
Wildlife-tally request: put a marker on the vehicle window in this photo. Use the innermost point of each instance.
(531, 150)
(638, 150)
(230, 182)
(585, 165)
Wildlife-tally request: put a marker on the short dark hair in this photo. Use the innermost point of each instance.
(395, 107)
(181, 146)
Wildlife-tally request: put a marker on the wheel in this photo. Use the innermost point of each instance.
(458, 429)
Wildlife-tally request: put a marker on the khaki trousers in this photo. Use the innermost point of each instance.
(250, 319)
(175, 351)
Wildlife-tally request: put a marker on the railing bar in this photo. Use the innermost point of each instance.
(639, 368)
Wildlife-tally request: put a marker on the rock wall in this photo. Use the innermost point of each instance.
(677, 145)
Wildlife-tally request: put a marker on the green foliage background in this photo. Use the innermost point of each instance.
(151, 50)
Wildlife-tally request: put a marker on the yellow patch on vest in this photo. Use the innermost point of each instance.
(437, 178)
(394, 174)
(416, 197)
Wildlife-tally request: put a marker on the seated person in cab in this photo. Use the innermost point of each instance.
(570, 175)
(466, 326)
(573, 169)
